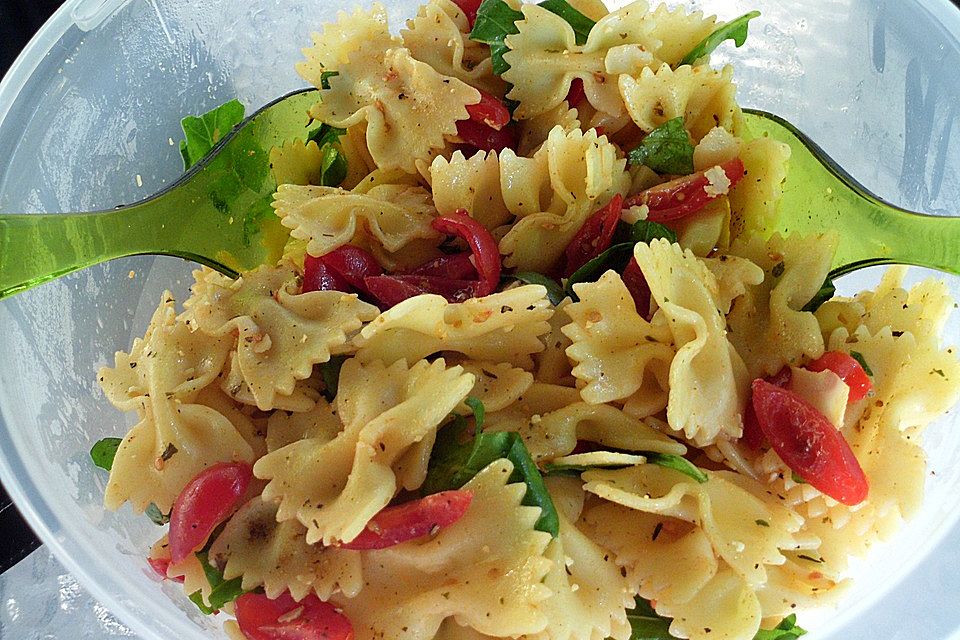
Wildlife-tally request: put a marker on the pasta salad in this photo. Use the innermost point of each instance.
(531, 364)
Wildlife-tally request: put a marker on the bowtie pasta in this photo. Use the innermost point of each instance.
(533, 364)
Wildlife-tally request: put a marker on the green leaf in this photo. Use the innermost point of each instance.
(554, 291)
(796, 478)
(786, 630)
(104, 451)
(581, 24)
(330, 373)
(221, 591)
(647, 624)
(735, 30)
(325, 134)
(616, 258)
(453, 463)
(325, 78)
(666, 149)
(677, 463)
(646, 231)
(197, 598)
(495, 21)
(827, 291)
(479, 411)
(333, 169)
(856, 355)
(202, 133)
(158, 517)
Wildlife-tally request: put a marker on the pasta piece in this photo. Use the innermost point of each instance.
(754, 200)
(498, 385)
(303, 398)
(281, 333)
(706, 230)
(677, 32)
(735, 276)
(544, 58)
(275, 555)
(472, 184)
(481, 577)
(335, 486)
(767, 325)
(407, 105)
(553, 366)
(294, 162)
(320, 423)
(535, 402)
(176, 438)
(253, 432)
(708, 380)
(618, 354)
(503, 327)
(584, 173)
(703, 97)
(440, 36)
(534, 131)
(392, 216)
(557, 433)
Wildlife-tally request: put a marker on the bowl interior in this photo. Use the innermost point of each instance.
(87, 117)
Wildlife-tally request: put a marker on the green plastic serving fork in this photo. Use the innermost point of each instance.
(206, 215)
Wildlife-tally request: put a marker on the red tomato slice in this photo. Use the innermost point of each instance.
(752, 434)
(808, 443)
(847, 369)
(160, 567)
(353, 264)
(486, 253)
(391, 290)
(205, 502)
(481, 137)
(576, 95)
(681, 197)
(412, 520)
(318, 276)
(261, 618)
(637, 286)
(594, 237)
(469, 8)
(456, 266)
(489, 111)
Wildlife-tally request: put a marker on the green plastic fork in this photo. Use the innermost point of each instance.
(218, 214)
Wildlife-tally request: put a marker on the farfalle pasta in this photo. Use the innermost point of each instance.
(534, 362)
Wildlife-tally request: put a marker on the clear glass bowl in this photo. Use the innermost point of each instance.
(89, 119)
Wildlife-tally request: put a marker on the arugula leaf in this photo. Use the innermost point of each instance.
(221, 591)
(647, 624)
(677, 463)
(453, 463)
(330, 373)
(333, 169)
(554, 291)
(202, 133)
(646, 231)
(581, 24)
(495, 21)
(325, 134)
(786, 630)
(479, 411)
(735, 30)
(325, 78)
(856, 355)
(104, 451)
(827, 291)
(666, 149)
(158, 517)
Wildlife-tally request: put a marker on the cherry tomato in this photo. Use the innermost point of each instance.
(318, 276)
(576, 95)
(489, 111)
(391, 290)
(752, 434)
(412, 520)
(486, 253)
(455, 265)
(205, 502)
(353, 264)
(479, 136)
(847, 369)
(637, 286)
(681, 197)
(594, 237)
(469, 8)
(261, 618)
(160, 567)
(806, 441)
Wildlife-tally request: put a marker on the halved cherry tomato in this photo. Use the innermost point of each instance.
(469, 8)
(752, 434)
(489, 111)
(486, 253)
(847, 369)
(576, 95)
(806, 441)
(205, 502)
(594, 237)
(261, 618)
(391, 290)
(412, 520)
(456, 266)
(481, 137)
(353, 264)
(681, 197)
(318, 276)
(160, 567)
(637, 285)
